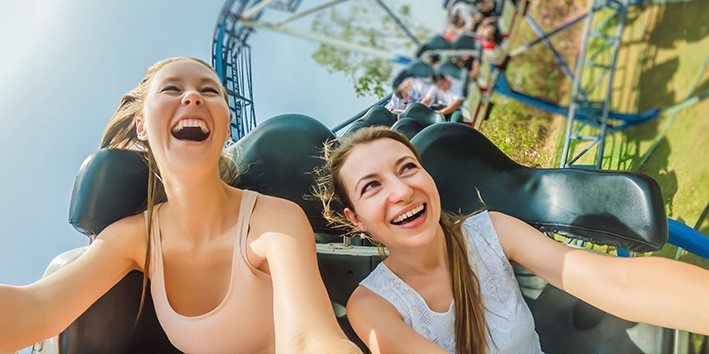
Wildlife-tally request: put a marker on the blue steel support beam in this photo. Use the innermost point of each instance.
(502, 87)
(542, 36)
(547, 35)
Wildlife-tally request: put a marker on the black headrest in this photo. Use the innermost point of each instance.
(436, 42)
(467, 42)
(415, 69)
(355, 126)
(379, 116)
(276, 158)
(111, 184)
(407, 126)
(621, 209)
(449, 69)
(422, 114)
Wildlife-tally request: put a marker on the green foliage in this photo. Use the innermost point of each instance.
(366, 24)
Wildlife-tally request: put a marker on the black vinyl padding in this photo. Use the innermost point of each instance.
(379, 116)
(108, 325)
(415, 69)
(422, 114)
(437, 42)
(415, 118)
(110, 185)
(621, 209)
(278, 159)
(375, 117)
(408, 126)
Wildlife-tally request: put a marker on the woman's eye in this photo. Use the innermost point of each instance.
(170, 88)
(210, 90)
(369, 186)
(408, 167)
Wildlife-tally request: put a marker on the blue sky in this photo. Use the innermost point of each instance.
(65, 65)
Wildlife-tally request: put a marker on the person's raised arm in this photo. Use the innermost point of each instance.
(651, 290)
(381, 327)
(303, 315)
(29, 314)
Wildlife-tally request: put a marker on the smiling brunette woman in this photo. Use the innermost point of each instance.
(230, 270)
(447, 284)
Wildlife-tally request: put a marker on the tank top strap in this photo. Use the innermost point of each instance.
(248, 201)
(155, 242)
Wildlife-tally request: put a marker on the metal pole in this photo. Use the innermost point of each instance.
(250, 12)
(328, 40)
(398, 22)
(307, 12)
(575, 89)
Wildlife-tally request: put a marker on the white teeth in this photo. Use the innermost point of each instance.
(190, 123)
(408, 214)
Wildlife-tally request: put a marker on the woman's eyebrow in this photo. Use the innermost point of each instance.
(364, 178)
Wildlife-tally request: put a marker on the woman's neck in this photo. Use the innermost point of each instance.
(420, 261)
(199, 207)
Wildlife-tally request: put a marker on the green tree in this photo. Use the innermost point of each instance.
(365, 23)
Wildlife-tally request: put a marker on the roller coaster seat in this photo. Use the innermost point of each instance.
(620, 209)
(379, 116)
(436, 42)
(415, 69)
(276, 158)
(422, 114)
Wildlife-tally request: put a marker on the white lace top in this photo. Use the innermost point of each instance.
(507, 315)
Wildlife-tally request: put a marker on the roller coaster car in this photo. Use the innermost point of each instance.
(614, 208)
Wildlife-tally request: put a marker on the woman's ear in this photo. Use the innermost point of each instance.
(140, 129)
(352, 217)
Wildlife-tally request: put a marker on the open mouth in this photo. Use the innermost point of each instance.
(191, 130)
(410, 215)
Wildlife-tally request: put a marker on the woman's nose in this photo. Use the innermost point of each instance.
(192, 97)
(400, 191)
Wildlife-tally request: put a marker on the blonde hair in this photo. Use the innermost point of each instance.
(470, 323)
(120, 133)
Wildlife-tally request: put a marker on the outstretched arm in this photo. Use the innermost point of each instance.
(646, 289)
(381, 327)
(32, 313)
(303, 316)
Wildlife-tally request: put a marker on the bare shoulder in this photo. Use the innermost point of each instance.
(128, 237)
(498, 217)
(366, 307)
(278, 215)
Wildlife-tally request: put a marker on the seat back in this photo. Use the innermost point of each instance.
(621, 209)
(436, 42)
(415, 69)
(408, 126)
(422, 114)
(278, 158)
(468, 43)
(379, 116)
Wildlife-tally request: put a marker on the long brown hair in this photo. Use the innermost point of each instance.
(120, 133)
(470, 326)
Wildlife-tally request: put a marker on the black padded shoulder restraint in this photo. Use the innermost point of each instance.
(621, 209)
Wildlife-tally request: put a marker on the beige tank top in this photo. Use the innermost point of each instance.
(242, 322)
